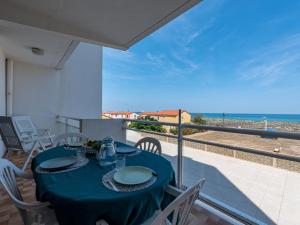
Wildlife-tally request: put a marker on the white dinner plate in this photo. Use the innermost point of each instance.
(58, 163)
(133, 175)
(75, 144)
(126, 149)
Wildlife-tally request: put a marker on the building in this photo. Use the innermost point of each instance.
(168, 116)
(120, 115)
(51, 70)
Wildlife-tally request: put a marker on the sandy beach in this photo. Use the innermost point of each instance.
(286, 146)
(279, 126)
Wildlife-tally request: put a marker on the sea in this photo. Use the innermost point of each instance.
(293, 118)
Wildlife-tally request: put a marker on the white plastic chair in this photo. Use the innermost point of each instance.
(12, 141)
(29, 134)
(149, 144)
(31, 213)
(179, 209)
(69, 138)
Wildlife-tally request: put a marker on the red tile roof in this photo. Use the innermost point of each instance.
(118, 113)
(162, 113)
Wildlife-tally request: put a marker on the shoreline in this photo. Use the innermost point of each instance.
(251, 124)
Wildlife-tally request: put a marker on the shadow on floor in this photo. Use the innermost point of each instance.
(218, 187)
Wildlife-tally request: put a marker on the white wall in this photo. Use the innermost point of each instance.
(81, 83)
(36, 93)
(75, 91)
(2, 94)
(2, 83)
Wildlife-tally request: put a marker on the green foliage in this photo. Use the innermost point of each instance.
(199, 120)
(144, 126)
(185, 131)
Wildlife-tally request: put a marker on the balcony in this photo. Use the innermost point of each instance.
(51, 70)
(250, 185)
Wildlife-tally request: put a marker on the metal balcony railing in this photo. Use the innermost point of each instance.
(70, 124)
(232, 150)
(273, 157)
(180, 138)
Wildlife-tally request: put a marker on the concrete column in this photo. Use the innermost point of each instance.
(9, 87)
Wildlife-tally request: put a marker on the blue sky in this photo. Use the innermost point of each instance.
(220, 56)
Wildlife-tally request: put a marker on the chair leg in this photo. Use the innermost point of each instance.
(8, 154)
(30, 156)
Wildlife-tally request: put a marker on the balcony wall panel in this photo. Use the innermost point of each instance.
(98, 129)
(81, 83)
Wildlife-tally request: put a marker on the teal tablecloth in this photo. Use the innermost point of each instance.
(79, 197)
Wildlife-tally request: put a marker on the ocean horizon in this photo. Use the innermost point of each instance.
(293, 118)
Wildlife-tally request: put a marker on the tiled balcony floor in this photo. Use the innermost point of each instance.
(268, 194)
(9, 215)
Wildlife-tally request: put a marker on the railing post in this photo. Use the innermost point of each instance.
(67, 124)
(80, 126)
(180, 155)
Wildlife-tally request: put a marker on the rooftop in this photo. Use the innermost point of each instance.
(118, 113)
(162, 113)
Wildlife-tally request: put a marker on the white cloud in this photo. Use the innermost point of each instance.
(274, 62)
(157, 60)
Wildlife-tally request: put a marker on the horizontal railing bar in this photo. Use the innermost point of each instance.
(68, 117)
(239, 216)
(248, 150)
(152, 122)
(153, 132)
(263, 133)
(69, 125)
(227, 147)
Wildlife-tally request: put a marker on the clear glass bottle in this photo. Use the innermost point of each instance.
(107, 154)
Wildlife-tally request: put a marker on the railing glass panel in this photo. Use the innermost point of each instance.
(251, 174)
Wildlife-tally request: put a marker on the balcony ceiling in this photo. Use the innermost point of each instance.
(112, 23)
(17, 40)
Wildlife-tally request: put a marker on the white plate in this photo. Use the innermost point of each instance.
(126, 149)
(75, 144)
(58, 163)
(133, 175)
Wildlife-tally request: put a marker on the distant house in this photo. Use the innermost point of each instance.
(169, 116)
(120, 115)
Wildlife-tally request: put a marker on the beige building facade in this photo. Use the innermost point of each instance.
(168, 116)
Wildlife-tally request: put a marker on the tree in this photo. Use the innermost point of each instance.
(198, 119)
(185, 131)
(145, 126)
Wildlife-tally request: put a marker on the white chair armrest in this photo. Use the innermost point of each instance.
(173, 191)
(43, 131)
(33, 205)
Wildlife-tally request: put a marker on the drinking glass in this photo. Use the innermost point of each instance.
(80, 154)
(120, 162)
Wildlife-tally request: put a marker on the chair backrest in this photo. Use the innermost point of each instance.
(149, 144)
(9, 135)
(24, 125)
(69, 138)
(180, 208)
(8, 179)
(31, 213)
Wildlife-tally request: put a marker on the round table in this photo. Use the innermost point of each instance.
(80, 198)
